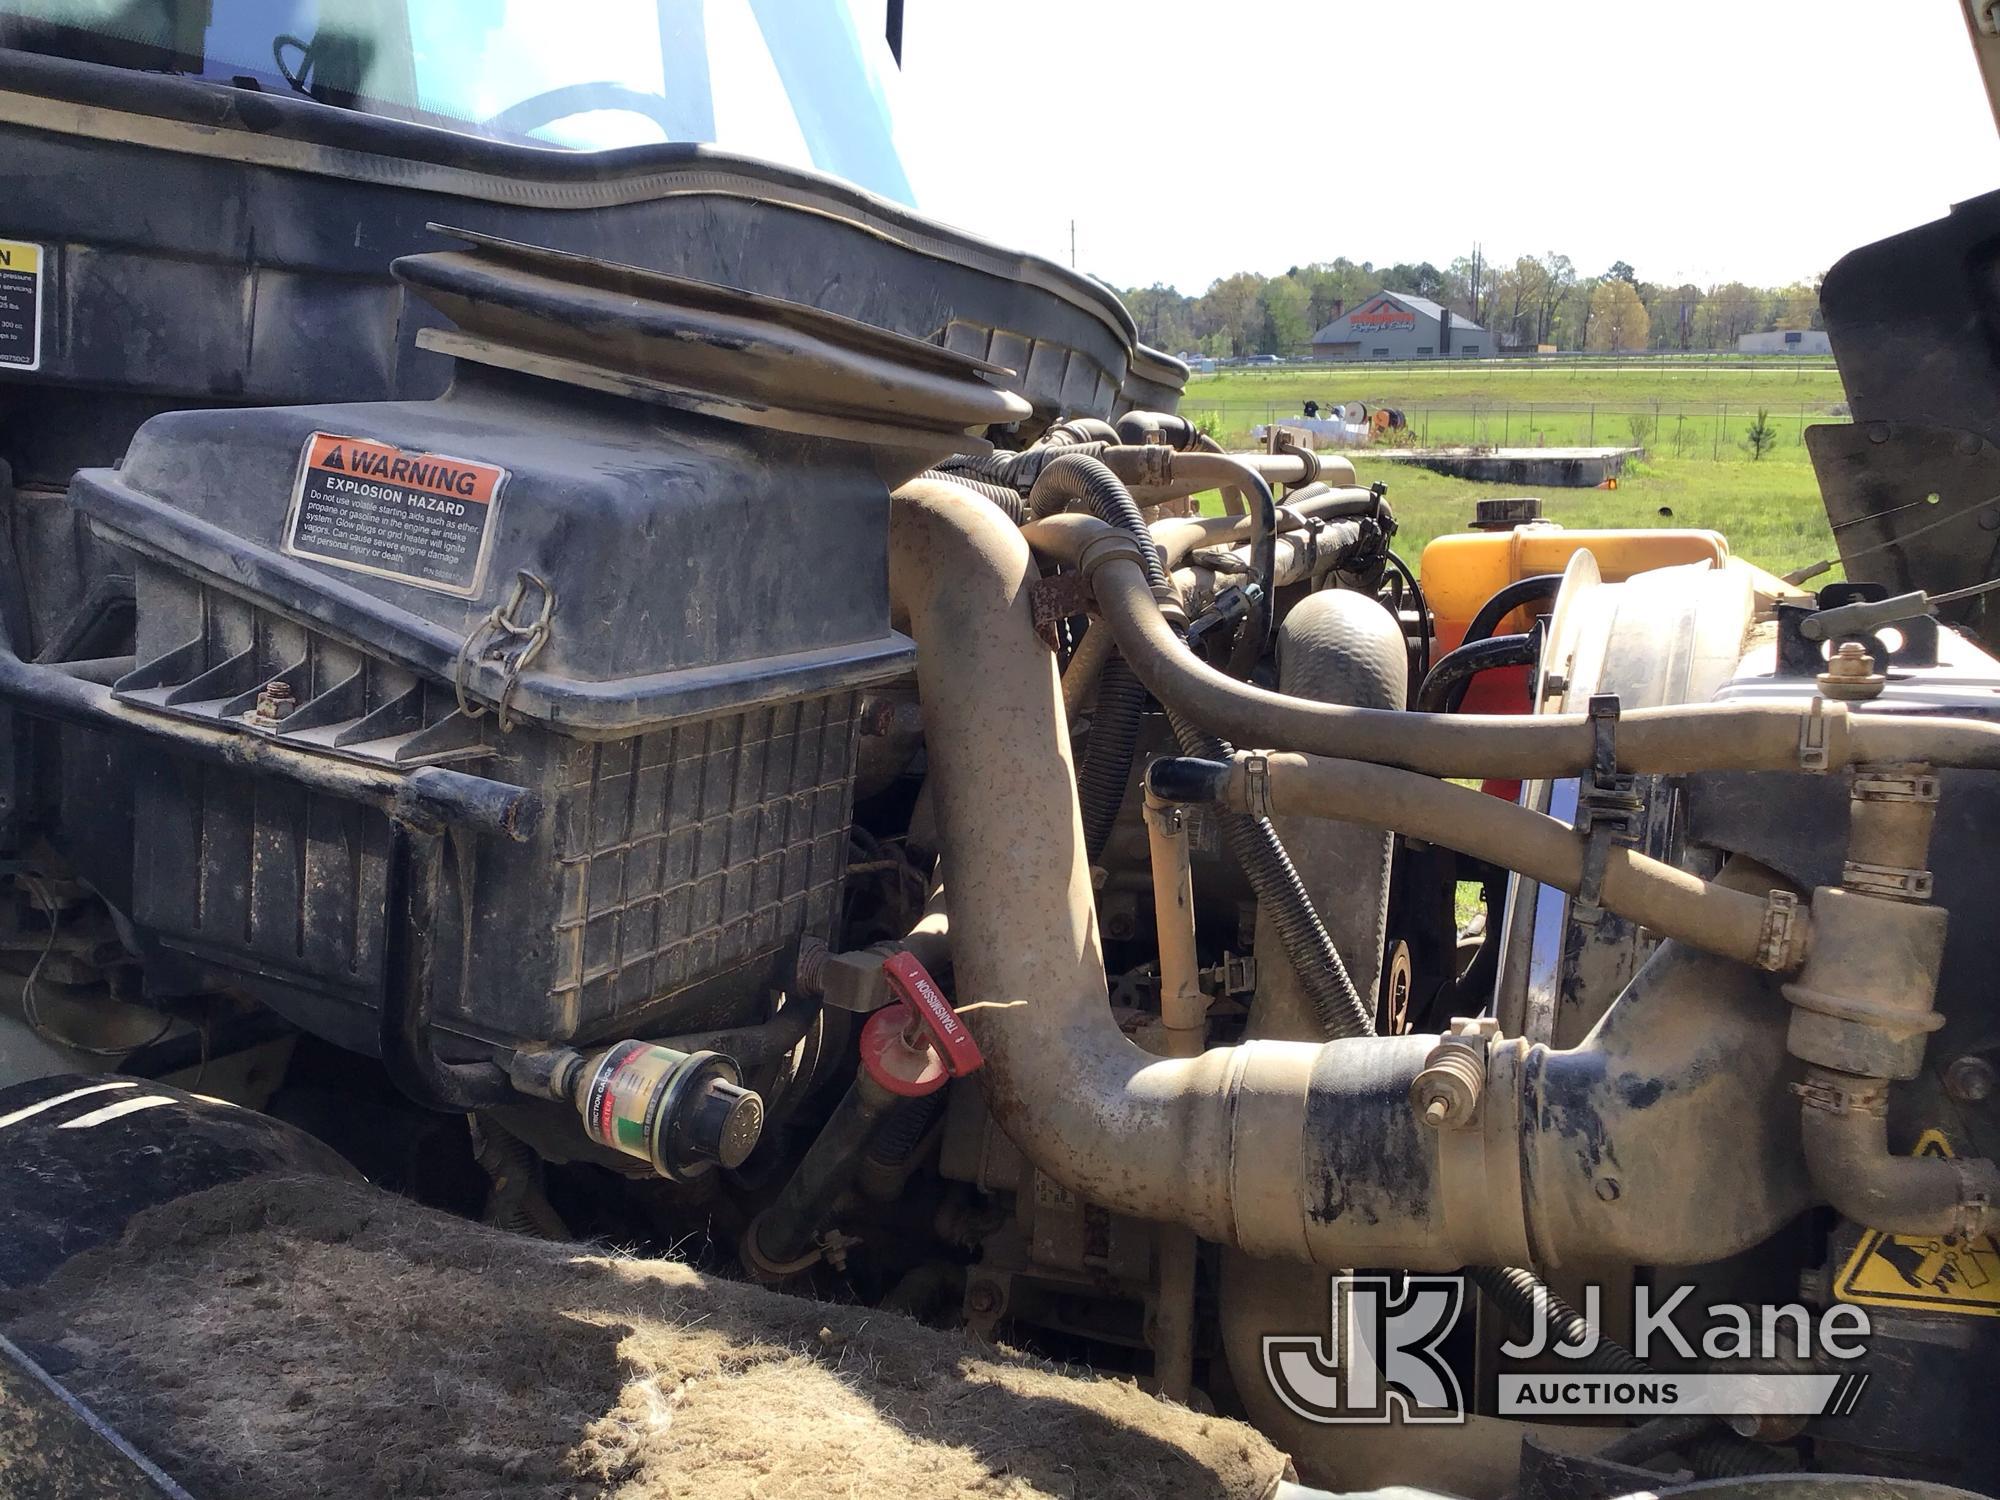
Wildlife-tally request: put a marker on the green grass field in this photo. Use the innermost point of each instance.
(1416, 383)
(1697, 472)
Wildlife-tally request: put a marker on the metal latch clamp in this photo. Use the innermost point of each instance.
(1607, 806)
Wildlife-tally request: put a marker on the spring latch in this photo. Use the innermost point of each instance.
(506, 640)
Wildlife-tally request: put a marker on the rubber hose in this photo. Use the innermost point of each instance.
(1114, 730)
(1079, 430)
(1077, 476)
(1508, 598)
(1446, 683)
(1138, 427)
(1515, 1293)
(1724, 1455)
(1011, 469)
(515, 1202)
(1710, 1448)
(1009, 500)
(1337, 646)
(1254, 844)
(1106, 772)
(1712, 1455)
(1253, 636)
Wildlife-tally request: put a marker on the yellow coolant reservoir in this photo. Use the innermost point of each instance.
(1462, 571)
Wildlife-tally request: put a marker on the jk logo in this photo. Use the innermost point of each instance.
(1378, 1360)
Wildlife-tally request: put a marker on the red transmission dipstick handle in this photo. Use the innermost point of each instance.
(913, 1045)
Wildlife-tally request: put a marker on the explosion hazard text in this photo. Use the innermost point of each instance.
(421, 518)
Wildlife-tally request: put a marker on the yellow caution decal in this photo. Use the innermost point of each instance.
(1924, 1273)
(20, 305)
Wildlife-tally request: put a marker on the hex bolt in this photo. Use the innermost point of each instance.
(1850, 675)
(275, 702)
(1970, 1079)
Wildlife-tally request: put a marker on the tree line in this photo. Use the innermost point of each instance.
(1539, 299)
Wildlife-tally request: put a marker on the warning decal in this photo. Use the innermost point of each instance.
(422, 518)
(20, 306)
(1925, 1273)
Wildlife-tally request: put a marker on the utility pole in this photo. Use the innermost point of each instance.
(1072, 244)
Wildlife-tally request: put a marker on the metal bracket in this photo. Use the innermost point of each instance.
(1054, 598)
(1608, 808)
(1235, 975)
(1857, 612)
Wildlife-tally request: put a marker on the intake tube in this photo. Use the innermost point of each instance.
(1149, 1136)
(1335, 646)
(1661, 741)
(1288, 1149)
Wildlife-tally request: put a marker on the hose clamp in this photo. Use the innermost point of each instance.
(1813, 737)
(1894, 881)
(1831, 1098)
(1256, 783)
(1608, 809)
(1108, 545)
(1775, 937)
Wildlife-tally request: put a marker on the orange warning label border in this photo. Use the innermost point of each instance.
(391, 512)
(1974, 1266)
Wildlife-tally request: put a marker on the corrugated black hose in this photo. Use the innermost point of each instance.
(1256, 847)
(1446, 684)
(1515, 1292)
(1106, 772)
(1252, 841)
(1508, 598)
(1713, 1452)
(1008, 499)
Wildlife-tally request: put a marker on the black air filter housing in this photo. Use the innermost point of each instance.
(634, 560)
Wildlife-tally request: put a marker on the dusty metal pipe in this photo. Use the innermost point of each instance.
(1190, 473)
(1284, 1148)
(1864, 1009)
(1183, 1007)
(1153, 1137)
(1184, 1020)
(1814, 734)
(1299, 559)
(1750, 929)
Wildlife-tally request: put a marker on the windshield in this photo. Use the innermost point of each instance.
(807, 83)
